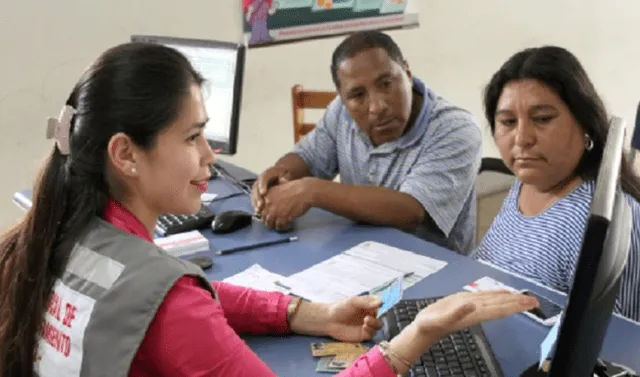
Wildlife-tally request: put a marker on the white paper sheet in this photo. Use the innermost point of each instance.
(257, 277)
(360, 269)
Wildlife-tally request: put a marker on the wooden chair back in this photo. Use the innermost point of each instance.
(307, 99)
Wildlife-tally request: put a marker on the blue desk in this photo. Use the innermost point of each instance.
(514, 340)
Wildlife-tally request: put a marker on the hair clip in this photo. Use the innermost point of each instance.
(60, 129)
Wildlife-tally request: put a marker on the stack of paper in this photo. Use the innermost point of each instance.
(360, 270)
(257, 277)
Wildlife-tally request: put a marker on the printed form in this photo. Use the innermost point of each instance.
(257, 277)
(359, 270)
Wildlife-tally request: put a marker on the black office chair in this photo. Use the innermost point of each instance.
(492, 186)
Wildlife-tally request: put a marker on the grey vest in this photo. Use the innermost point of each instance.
(101, 307)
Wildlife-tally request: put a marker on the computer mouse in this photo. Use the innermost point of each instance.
(230, 221)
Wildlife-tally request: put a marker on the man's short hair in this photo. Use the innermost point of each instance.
(362, 41)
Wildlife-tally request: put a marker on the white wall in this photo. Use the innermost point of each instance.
(45, 45)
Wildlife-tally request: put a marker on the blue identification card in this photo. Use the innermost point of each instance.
(390, 296)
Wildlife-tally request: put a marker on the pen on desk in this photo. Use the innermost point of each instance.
(384, 285)
(279, 284)
(256, 245)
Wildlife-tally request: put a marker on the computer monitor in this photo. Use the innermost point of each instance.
(222, 66)
(603, 256)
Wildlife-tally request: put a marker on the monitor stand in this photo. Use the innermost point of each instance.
(603, 369)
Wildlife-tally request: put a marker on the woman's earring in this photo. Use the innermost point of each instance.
(133, 170)
(588, 142)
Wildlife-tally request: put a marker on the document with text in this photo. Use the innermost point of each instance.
(362, 269)
(257, 277)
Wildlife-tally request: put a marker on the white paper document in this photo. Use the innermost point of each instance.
(257, 277)
(359, 270)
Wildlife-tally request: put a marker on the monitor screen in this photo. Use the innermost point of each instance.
(221, 64)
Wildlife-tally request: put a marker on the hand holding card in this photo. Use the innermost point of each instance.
(334, 348)
(353, 319)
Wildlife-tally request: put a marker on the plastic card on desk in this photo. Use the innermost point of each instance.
(487, 283)
(360, 269)
(324, 365)
(183, 243)
(257, 277)
(336, 356)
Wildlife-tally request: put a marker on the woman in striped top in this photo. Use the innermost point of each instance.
(550, 126)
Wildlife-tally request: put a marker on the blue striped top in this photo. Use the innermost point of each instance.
(545, 247)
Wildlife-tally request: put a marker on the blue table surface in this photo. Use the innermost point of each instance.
(515, 340)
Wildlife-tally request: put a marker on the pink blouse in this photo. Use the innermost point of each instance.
(193, 335)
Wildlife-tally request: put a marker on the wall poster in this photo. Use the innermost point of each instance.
(277, 21)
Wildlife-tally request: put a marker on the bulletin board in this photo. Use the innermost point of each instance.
(276, 21)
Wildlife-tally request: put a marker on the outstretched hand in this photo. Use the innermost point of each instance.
(466, 309)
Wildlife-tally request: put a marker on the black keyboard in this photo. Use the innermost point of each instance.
(169, 224)
(462, 354)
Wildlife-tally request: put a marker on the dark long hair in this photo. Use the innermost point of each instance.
(133, 88)
(561, 71)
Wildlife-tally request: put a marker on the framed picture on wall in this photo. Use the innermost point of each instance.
(279, 21)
